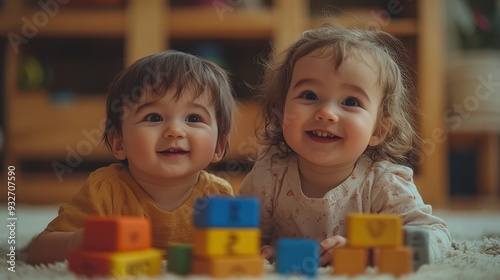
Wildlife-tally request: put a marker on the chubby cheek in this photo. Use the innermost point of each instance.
(137, 143)
(361, 131)
(290, 117)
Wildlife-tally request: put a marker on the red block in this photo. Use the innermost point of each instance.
(113, 233)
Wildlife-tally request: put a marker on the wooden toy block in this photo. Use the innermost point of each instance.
(228, 266)
(374, 230)
(394, 261)
(297, 256)
(120, 264)
(221, 211)
(418, 240)
(112, 233)
(226, 241)
(179, 258)
(350, 261)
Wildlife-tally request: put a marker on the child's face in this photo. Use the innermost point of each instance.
(168, 139)
(330, 114)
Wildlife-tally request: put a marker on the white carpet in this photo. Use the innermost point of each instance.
(475, 254)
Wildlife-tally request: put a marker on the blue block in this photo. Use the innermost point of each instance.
(297, 256)
(224, 211)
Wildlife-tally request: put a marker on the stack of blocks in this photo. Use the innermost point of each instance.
(117, 247)
(377, 236)
(226, 237)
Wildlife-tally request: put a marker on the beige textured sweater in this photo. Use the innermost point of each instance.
(373, 187)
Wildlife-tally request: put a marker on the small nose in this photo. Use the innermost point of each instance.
(327, 113)
(174, 130)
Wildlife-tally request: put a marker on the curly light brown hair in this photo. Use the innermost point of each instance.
(402, 143)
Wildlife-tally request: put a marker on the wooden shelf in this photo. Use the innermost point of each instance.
(205, 22)
(45, 188)
(364, 19)
(38, 129)
(48, 130)
(68, 23)
(182, 23)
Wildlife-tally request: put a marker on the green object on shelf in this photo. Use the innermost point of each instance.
(34, 74)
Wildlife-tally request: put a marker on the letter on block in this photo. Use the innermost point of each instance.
(218, 211)
(226, 241)
(397, 261)
(297, 256)
(117, 233)
(374, 230)
(350, 261)
(120, 264)
(228, 266)
(179, 258)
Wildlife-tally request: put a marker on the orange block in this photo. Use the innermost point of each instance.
(394, 261)
(350, 261)
(113, 233)
(374, 230)
(228, 266)
(120, 264)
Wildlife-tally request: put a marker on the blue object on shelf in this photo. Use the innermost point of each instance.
(212, 52)
(62, 97)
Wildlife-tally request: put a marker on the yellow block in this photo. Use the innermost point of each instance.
(123, 264)
(374, 230)
(212, 242)
(228, 266)
(350, 261)
(397, 261)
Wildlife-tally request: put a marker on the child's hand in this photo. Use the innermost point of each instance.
(75, 240)
(327, 246)
(267, 252)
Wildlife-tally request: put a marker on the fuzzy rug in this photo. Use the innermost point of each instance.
(475, 253)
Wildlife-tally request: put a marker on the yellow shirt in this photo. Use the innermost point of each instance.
(111, 191)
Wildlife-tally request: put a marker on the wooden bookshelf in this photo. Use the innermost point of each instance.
(37, 130)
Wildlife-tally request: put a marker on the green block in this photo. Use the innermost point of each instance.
(179, 258)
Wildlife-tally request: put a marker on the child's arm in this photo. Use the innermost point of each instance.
(327, 246)
(396, 193)
(49, 247)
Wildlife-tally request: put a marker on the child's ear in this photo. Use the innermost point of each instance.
(380, 132)
(115, 139)
(220, 150)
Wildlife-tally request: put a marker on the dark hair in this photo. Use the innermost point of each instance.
(158, 73)
(402, 143)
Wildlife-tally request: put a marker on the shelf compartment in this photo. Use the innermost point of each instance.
(58, 130)
(83, 66)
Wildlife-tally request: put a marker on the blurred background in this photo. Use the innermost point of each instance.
(57, 58)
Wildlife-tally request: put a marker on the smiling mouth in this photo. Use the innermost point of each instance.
(321, 134)
(173, 152)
